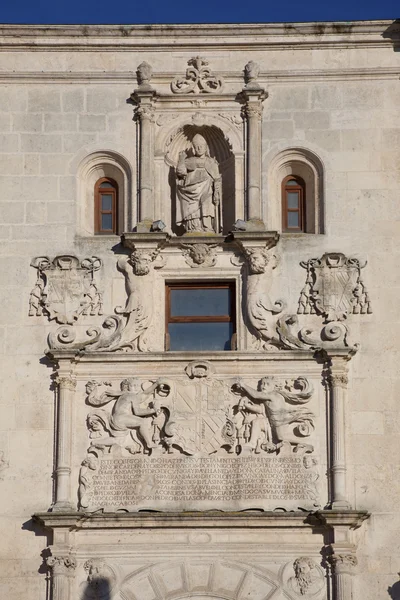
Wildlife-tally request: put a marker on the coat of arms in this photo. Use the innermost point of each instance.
(65, 288)
(334, 288)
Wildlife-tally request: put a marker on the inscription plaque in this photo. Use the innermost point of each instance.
(206, 483)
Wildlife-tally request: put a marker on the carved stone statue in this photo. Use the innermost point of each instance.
(199, 189)
(273, 402)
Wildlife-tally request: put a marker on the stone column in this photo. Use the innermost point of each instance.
(342, 571)
(338, 393)
(253, 111)
(62, 569)
(144, 99)
(66, 388)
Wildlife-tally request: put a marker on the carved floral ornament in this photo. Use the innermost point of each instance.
(65, 288)
(198, 79)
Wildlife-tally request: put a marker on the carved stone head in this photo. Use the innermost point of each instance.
(129, 385)
(200, 146)
(257, 260)
(141, 262)
(303, 567)
(266, 384)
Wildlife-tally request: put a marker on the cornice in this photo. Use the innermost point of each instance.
(267, 77)
(199, 36)
(210, 519)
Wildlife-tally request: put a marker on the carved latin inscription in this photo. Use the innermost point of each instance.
(192, 483)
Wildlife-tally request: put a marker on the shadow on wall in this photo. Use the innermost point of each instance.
(394, 591)
(98, 588)
(393, 33)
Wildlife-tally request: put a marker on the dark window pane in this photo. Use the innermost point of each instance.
(292, 182)
(200, 302)
(292, 199)
(106, 202)
(106, 184)
(106, 222)
(293, 219)
(200, 336)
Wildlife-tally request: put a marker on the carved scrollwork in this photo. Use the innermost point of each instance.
(65, 288)
(259, 308)
(198, 79)
(334, 288)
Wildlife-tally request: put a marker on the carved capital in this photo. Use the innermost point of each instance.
(343, 563)
(65, 382)
(254, 111)
(338, 380)
(61, 565)
(145, 113)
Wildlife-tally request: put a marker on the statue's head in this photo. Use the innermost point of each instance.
(141, 262)
(129, 385)
(303, 566)
(266, 384)
(200, 146)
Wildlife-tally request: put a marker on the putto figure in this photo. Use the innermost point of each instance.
(199, 189)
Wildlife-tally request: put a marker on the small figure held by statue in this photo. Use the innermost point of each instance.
(199, 189)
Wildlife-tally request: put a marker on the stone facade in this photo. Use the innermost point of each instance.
(133, 469)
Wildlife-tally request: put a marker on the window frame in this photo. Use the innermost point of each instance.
(98, 211)
(206, 284)
(301, 188)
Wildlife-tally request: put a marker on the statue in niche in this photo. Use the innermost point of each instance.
(199, 189)
(268, 420)
(130, 413)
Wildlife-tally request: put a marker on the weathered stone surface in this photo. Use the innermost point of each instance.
(328, 97)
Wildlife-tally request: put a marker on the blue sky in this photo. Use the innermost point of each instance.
(191, 11)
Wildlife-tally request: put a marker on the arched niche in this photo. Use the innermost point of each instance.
(303, 163)
(96, 166)
(200, 579)
(225, 143)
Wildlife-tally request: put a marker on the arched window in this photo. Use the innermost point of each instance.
(293, 204)
(105, 206)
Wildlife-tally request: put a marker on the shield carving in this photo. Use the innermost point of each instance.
(65, 288)
(333, 287)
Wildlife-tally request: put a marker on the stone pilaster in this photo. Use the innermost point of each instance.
(144, 99)
(66, 388)
(343, 567)
(338, 381)
(253, 112)
(62, 570)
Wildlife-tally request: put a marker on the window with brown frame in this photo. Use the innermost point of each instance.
(200, 316)
(105, 206)
(293, 204)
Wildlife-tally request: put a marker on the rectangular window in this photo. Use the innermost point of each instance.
(200, 316)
